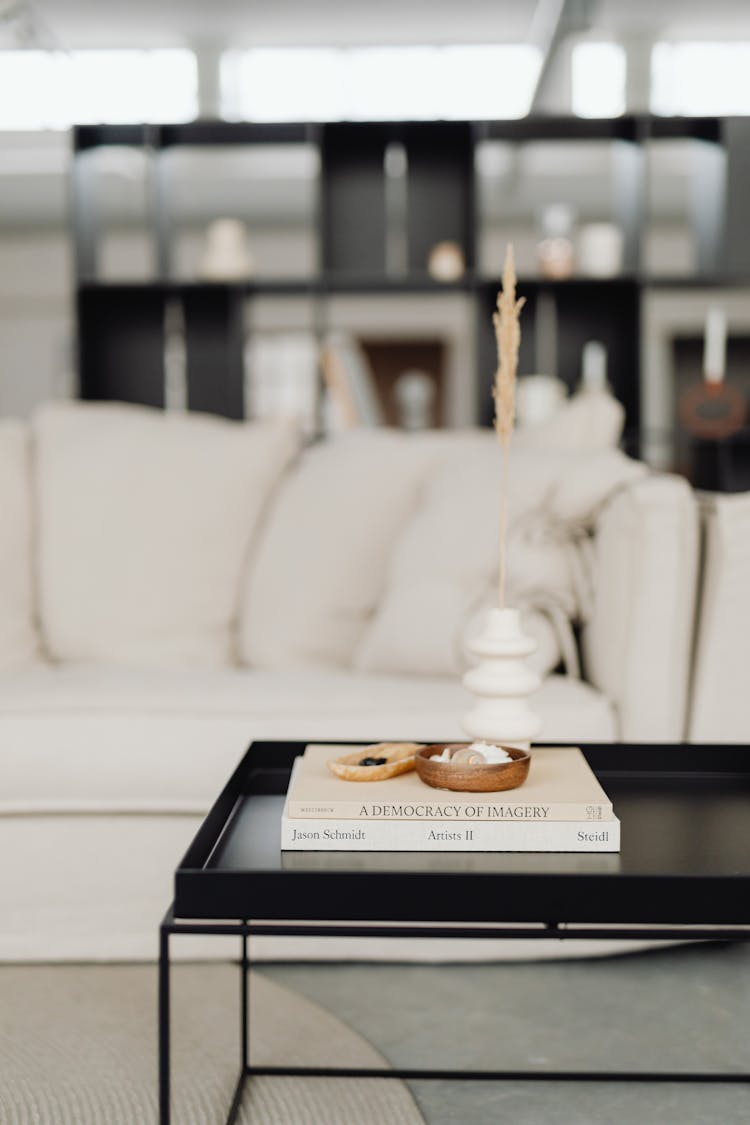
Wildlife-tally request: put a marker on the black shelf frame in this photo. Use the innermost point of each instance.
(121, 325)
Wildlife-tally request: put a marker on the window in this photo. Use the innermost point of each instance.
(53, 90)
(30, 90)
(379, 83)
(694, 79)
(598, 80)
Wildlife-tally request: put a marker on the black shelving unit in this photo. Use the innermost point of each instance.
(608, 310)
(121, 342)
(121, 330)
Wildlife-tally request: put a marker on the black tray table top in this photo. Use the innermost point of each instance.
(684, 861)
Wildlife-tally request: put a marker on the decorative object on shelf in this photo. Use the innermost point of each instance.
(226, 254)
(463, 768)
(599, 250)
(352, 392)
(594, 367)
(175, 357)
(281, 376)
(376, 762)
(715, 345)
(713, 410)
(414, 392)
(538, 398)
(446, 262)
(501, 682)
(555, 251)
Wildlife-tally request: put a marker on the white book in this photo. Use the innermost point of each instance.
(298, 834)
(308, 834)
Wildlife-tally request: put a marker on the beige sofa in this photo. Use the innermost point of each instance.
(172, 587)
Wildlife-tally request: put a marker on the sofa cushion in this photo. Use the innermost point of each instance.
(92, 738)
(320, 566)
(145, 523)
(18, 636)
(446, 559)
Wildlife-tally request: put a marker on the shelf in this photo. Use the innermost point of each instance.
(564, 283)
(686, 128)
(704, 281)
(176, 286)
(540, 127)
(123, 340)
(382, 195)
(322, 286)
(201, 132)
(369, 283)
(559, 128)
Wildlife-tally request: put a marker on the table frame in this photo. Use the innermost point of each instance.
(243, 929)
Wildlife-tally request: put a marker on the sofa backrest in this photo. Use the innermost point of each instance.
(637, 646)
(145, 521)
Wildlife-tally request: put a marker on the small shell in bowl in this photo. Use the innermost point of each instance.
(464, 773)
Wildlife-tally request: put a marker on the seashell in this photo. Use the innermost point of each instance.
(468, 756)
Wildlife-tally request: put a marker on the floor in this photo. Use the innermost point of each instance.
(682, 1008)
(78, 1043)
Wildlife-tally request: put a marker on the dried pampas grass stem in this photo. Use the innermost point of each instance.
(508, 337)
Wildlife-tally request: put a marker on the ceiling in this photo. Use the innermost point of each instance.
(81, 23)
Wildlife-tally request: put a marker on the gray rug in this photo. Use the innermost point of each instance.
(78, 1047)
(683, 1008)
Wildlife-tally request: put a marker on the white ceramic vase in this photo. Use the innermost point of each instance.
(502, 682)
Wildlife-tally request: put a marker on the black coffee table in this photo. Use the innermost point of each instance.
(683, 873)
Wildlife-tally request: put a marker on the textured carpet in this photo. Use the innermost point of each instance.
(78, 1047)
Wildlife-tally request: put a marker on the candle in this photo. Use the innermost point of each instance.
(594, 366)
(715, 343)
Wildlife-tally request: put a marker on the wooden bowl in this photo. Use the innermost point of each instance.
(481, 777)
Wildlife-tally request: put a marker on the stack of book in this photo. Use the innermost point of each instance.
(560, 808)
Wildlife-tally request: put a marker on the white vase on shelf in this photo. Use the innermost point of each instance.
(502, 682)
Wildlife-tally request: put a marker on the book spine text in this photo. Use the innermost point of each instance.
(500, 813)
(421, 836)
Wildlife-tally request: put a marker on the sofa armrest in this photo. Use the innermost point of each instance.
(637, 646)
(720, 709)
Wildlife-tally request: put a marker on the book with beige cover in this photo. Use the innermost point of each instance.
(561, 786)
(560, 808)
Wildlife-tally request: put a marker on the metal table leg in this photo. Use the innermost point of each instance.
(234, 1108)
(164, 1022)
(167, 929)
